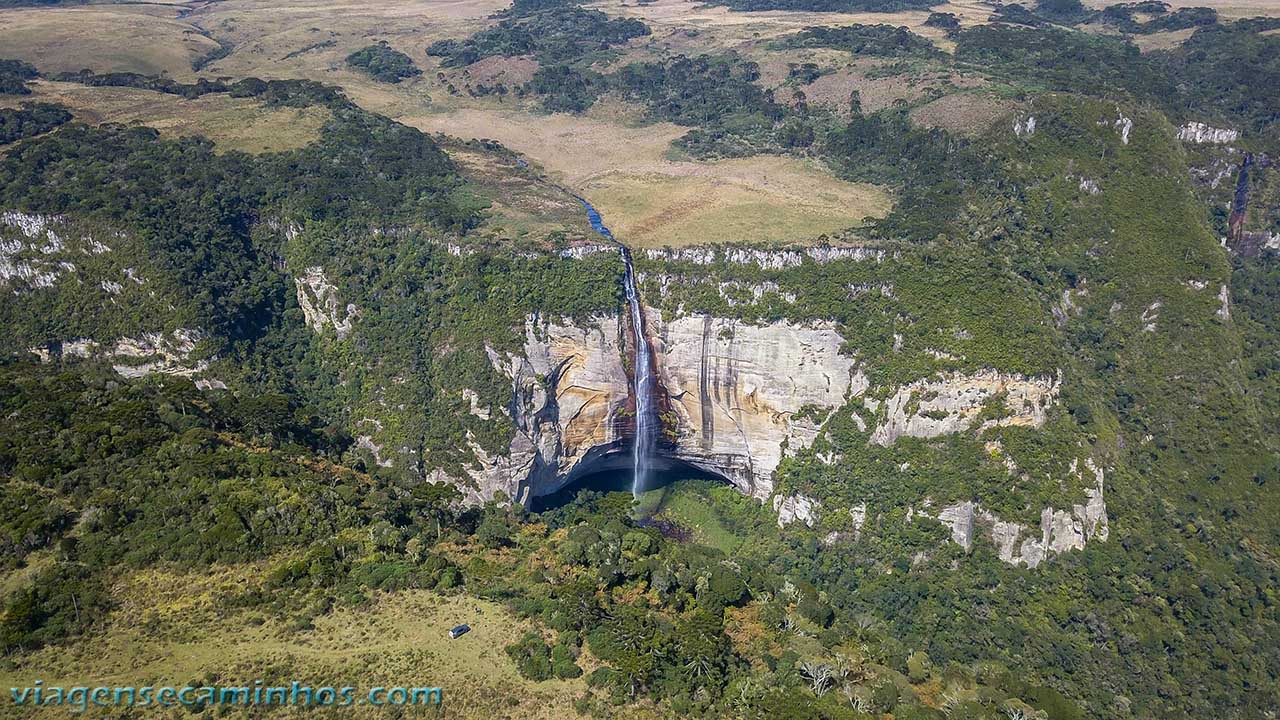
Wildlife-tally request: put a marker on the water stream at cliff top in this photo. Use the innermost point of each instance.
(646, 417)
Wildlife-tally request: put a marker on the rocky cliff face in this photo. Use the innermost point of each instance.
(1198, 132)
(569, 391)
(738, 398)
(321, 306)
(1060, 531)
(734, 391)
(930, 408)
(737, 391)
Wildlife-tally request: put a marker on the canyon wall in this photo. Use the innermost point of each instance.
(568, 388)
(738, 391)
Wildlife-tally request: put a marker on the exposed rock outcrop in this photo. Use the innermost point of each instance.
(33, 251)
(568, 388)
(1198, 132)
(1150, 316)
(795, 508)
(158, 353)
(1064, 310)
(734, 292)
(366, 443)
(477, 407)
(134, 357)
(767, 259)
(321, 305)
(1060, 530)
(1123, 125)
(737, 391)
(578, 252)
(956, 403)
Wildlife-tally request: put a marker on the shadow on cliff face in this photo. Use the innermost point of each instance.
(610, 480)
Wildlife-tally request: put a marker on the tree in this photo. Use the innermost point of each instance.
(563, 660)
(919, 667)
(436, 502)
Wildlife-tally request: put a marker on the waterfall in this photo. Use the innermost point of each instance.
(645, 438)
(646, 416)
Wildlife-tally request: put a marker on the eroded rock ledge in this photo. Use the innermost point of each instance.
(957, 402)
(1060, 531)
(568, 389)
(321, 304)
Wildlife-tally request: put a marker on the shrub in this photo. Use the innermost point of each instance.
(919, 667)
(563, 661)
(14, 75)
(532, 657)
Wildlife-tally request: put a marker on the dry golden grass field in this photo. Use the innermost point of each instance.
(750, 200)
(148, 39)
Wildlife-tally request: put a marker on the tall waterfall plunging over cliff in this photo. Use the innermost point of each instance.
(646, 416)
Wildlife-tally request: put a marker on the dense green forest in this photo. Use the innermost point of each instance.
(552, 32)
(30, 119)
(1122, 17)
(875, 40)
(946, 21)
(14, 75)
